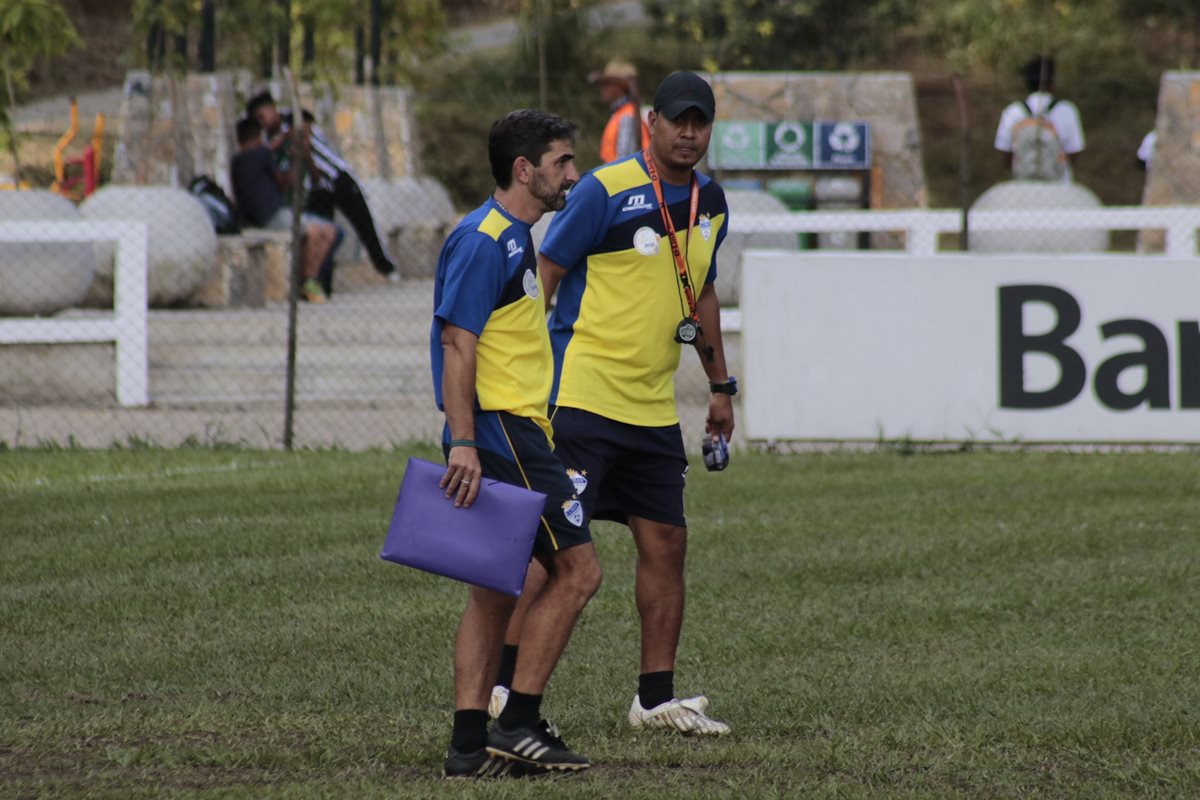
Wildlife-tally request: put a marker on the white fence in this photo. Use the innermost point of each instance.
(922, 226)
(125, 327)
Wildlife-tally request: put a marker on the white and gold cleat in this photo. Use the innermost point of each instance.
(685, 716)
(498, 701)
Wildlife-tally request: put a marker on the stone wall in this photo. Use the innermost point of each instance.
(1174, 174)
(374, 128)
(885, 100)
(172, 128)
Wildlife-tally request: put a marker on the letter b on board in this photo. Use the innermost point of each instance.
(1015, 343)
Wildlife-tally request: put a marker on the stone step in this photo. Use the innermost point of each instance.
(194, 385)
(387, 356)
(349, 326)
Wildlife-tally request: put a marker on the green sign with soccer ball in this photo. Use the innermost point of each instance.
(790, 145)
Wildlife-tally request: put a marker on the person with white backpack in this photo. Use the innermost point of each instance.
(1041, 136)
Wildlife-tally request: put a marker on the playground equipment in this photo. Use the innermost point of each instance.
(89, 163)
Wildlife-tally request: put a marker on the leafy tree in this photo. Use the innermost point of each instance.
(781, 34)
(29, 30)
(1178, 19)
(1001, 34)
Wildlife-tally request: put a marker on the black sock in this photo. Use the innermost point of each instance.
(470, 730)
(522, 710)
(656, 688)
(508, 665)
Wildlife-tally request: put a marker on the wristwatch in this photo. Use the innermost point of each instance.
(729, 387)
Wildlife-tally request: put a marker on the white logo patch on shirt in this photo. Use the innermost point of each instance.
(529, 284)
(636, 202)
(514, 249)
(705, 226)
(579, 479)
(573, 511)
(645, 241)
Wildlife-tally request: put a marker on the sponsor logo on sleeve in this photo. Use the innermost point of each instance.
(636, 202)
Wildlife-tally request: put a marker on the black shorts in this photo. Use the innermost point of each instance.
(620, 469)
(530, 463)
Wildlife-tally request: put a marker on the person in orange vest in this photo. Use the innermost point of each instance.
(626, 131)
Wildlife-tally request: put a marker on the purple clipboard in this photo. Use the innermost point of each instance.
(488, 544)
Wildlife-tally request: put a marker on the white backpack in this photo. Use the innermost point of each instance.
(1037, 152)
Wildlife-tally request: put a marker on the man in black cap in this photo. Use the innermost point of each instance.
(633, 256)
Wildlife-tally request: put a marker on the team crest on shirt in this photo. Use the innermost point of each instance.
(645, 241)
(705, 226)
(573, 511)
(529, 282)
(579, 479)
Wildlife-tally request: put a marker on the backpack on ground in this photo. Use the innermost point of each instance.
(1037, 152)
(220, 208)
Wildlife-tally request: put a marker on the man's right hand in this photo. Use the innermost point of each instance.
(463, 473)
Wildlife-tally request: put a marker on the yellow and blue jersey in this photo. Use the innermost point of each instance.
(613, 328)
(487, 283)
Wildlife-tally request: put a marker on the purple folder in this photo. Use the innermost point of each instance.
(488, 544)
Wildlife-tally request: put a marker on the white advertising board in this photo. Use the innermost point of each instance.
(1088, 348)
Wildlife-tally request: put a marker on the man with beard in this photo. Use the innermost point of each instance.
(633, 256)
(492, 372)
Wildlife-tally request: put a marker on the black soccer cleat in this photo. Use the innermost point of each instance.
(538, 746)
(474, 764)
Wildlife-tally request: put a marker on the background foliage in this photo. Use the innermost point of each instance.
(1110, 56)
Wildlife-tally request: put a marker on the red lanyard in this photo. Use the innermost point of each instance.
(666, 215)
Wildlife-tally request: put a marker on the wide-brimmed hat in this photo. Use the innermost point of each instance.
(614, 71)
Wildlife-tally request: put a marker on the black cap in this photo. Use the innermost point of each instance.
(680, 91)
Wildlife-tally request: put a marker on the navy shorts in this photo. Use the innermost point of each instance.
(526, 460)
(620, 469)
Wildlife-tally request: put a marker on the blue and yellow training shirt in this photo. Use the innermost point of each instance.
(487, 283)
(613, 329)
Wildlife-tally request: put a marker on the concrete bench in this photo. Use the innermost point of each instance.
(251, 269)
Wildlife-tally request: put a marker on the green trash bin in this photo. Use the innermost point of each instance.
(797, 195)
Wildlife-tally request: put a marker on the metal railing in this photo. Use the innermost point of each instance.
(126, 326)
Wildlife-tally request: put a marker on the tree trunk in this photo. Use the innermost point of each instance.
(8, 122)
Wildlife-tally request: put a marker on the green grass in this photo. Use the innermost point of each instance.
(216, 623)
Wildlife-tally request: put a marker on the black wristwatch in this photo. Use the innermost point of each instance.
(729, 387)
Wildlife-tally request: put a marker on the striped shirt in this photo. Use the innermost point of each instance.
(325, 158)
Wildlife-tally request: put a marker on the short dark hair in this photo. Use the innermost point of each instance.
(1033, 73)
(526, 132)
(259, 100)
(248, 129)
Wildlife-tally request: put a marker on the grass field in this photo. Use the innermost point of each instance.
(204, 623)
